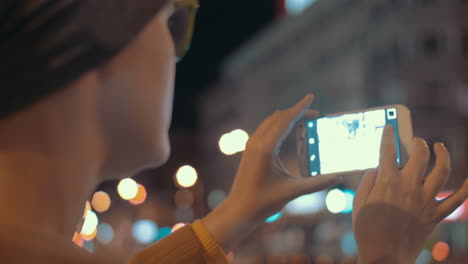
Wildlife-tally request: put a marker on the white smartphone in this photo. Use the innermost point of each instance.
(345, 143)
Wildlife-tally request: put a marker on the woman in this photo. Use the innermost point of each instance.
(87, 91)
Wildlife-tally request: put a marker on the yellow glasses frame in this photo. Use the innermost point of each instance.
(192, 7)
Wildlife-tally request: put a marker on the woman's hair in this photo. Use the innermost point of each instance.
(46, 44)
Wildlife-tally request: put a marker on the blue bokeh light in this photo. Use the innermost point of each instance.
(349, 194)
(295, 7)
(89, 246)
(105, 233)
(145, 231)
(274, 217)
(163, 232)
(348, 244)
(424, 258)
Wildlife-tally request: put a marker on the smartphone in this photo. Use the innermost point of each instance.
(345, 143)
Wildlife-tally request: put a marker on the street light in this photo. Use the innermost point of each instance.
(233, 142)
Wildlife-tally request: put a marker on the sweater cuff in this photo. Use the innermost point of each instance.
(214, 252)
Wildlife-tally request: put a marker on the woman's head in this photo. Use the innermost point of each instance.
(127, 48)
(135, 99)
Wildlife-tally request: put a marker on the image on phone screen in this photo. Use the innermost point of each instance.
(349, 142)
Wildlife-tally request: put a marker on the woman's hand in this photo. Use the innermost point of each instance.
(395, 210)
(263, 186)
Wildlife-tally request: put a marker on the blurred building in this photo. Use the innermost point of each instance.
(351, 55)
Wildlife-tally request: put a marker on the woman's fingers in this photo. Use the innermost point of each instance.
(310, 114)
(288, 118)
(275, 129)
(438, 176)
(365, 187)
(419, 160)
(388, 162)
(450, 204)
(314, 184)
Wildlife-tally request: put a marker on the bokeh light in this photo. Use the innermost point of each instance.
(105, 233)
(307, 204)
(233, 142)
(87, 209)
(349, 196)
(145, 231)
(89, 246)
(424, 258)
(348, 244)
(441, 251)
(140, 197)
(295, 7)
(163, 232)
(215, 197)
(177, 226)
(274, 217)
(186, 176)
(90, 236)
(90, 223)
(184, 198)
(77, 239)
(127, 189)
(458, 213)
(335, 201)
(101, 202)
(230, 257)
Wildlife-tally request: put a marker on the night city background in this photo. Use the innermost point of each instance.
(249, 58)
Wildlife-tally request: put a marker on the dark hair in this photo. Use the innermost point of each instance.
(45, 46)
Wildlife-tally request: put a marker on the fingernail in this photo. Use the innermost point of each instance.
(308, 97)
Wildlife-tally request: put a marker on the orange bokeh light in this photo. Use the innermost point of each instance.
(87, 208)
(177, 226)
(101, 202)
(441, 251)
(90, 237)
(77, 239)
(140, 197)
(230, 256)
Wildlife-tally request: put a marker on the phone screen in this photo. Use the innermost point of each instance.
(348, 142)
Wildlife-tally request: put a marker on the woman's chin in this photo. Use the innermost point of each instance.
(126, 166)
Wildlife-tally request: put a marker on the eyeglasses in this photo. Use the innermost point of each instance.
(181, 25)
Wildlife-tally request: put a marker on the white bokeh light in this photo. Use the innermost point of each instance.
(186, 176)
(455, 215)
(335, 201)
(127, 189)
(233, 142)
(307, 204)
(90, 223)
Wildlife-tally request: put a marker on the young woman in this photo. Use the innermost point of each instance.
(86, 96)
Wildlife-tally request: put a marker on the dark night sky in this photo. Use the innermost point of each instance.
(221, 27)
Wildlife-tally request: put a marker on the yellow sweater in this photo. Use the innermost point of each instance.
(191, 244)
